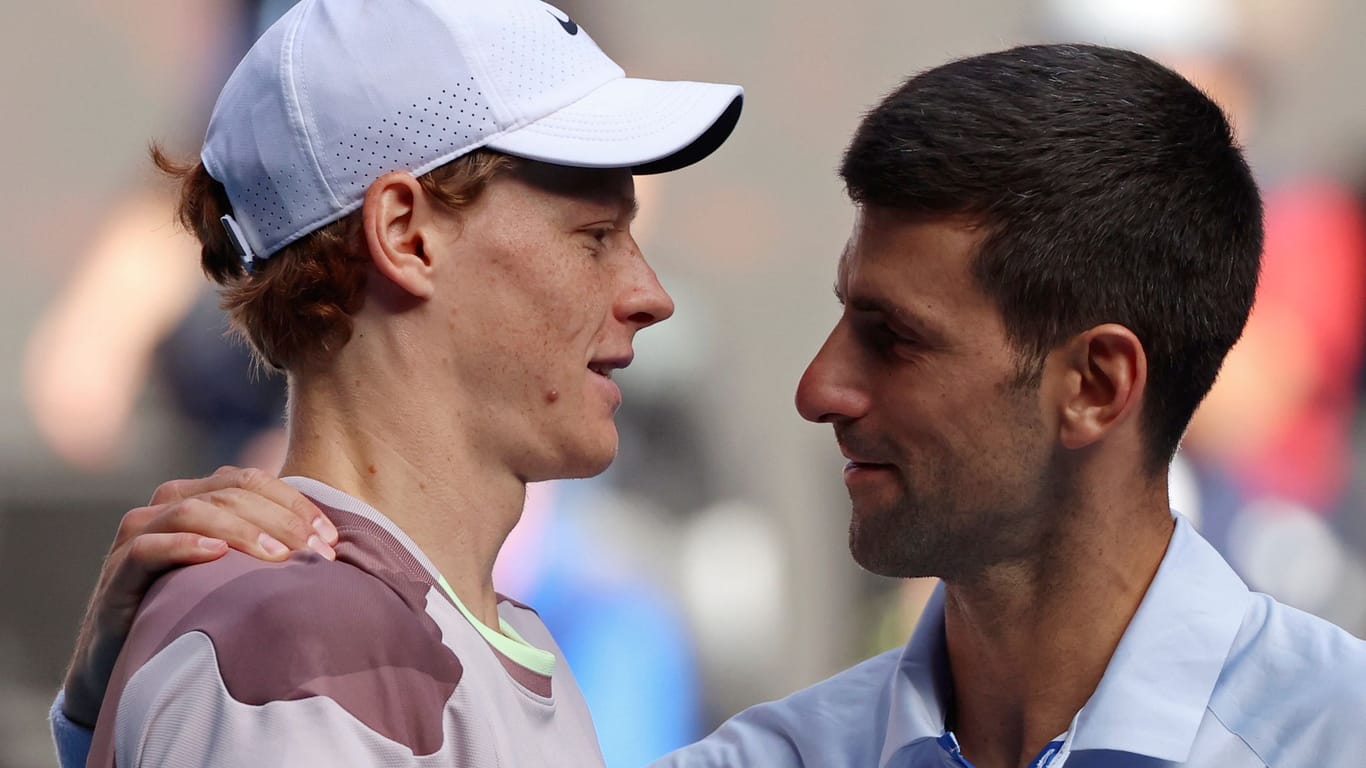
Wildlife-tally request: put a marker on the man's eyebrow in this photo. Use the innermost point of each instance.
(906, 317)
(620, 209)
(625, 206)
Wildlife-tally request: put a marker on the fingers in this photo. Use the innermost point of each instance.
(130, 571)
(184, 488)
(152, 554)
(260, 483)
(187, 522)
(247, 521)
(133, 523)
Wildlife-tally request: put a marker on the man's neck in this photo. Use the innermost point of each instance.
(395, 456)
(1029, 642)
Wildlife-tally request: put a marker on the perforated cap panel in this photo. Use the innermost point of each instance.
(340, 92)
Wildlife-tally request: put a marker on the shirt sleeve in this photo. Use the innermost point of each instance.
(750, 739)
(310, 662)
(840, 721)
(72, 740)
(176, 710)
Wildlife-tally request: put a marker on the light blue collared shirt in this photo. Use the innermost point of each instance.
(1208, 673)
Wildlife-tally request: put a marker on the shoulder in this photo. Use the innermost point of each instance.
(278, 628)
(1292, 686)
(251, 643)
(854, 690)
(306, 594)
(838, 721)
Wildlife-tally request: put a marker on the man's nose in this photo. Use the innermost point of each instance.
(830, 390)
(644, 302)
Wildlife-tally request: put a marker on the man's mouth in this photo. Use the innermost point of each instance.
(867, 465)
(861, 462)
(604, 366)
(856, 455)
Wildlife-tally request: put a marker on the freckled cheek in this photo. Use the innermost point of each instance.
(550, 375)
(546, 325)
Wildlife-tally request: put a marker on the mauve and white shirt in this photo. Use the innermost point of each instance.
(370, 660)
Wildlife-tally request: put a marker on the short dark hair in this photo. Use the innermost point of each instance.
(1110, 190)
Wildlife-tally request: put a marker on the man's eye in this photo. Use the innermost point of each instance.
(595, 239)
(600, 231)
(888, 339)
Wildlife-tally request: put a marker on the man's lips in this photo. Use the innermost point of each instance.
(603, 366)
(867, 465)
(856, 454)
(858, 471)
(860, 462)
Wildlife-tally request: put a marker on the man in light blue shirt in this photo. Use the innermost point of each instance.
(1207, 674)
(1054, 249)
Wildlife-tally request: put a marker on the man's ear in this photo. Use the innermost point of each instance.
(1104, 372)
(398, 221)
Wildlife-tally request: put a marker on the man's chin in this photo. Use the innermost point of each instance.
(873, 552)
(886, 549)
(590, 466)
(581, 462)
(880, 564)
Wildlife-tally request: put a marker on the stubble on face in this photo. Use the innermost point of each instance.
(957, 510)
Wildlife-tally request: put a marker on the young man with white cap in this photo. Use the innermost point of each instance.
(420, 210)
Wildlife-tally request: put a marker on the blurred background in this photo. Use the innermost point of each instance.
(718, 540)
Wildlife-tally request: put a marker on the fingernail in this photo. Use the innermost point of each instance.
(211, 545)
(273, 547)
(325, 529)
(317, 545)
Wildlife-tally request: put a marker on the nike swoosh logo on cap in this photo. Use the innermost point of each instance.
(567, 23)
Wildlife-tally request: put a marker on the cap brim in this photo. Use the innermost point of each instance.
(649, 126)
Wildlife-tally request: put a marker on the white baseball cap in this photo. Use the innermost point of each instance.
(339, 92)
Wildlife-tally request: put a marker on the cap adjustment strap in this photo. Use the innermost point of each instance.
(239, 241)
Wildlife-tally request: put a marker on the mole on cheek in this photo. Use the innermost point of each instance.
(552, 395)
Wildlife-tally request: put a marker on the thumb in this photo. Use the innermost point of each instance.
(152, 554)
